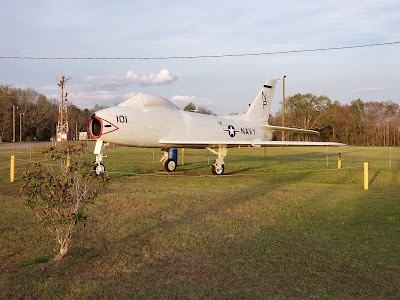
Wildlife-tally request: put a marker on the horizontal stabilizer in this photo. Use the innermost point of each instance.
(280, 128)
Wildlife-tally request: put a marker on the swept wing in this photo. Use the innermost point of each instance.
(180, 143)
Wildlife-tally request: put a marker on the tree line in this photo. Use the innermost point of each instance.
(36, 117)
(358, 123)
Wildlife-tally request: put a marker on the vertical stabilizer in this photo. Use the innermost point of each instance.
(259, 109)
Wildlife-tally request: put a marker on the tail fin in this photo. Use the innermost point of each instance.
(259, 109)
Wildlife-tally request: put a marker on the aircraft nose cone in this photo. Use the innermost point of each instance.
(99, 126)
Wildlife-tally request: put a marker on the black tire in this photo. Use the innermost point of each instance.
(99, 169)
(217, 171)
(170, 165)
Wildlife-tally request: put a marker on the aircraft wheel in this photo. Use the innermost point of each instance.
(170, 165)
(99, 169)
(217, 170)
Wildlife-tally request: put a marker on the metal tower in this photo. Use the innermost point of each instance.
(62, 126)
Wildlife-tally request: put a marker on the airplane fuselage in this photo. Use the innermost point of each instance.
(154, 127)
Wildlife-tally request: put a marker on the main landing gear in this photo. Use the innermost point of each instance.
(170, 159)
(218, 167)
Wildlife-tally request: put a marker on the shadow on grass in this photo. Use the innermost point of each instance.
(373, 178)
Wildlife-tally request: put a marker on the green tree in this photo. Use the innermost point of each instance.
(98, 107)
(43, 117)
(60, 193)
(190, 107)
(201, 109)
(78, 121)
(306, 110)
(205, 111)
(6, 103)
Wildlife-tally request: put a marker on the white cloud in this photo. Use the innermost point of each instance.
(87, 99)
(183, 99)
(130, 95)
(367, 90)
(163, 77)
(109, 89)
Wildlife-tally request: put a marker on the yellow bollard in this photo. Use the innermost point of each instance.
(365, 176)
(12, 168)
(339, 161)
(68, 161)
(183, 156)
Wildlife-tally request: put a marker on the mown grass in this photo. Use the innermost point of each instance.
(269, 229)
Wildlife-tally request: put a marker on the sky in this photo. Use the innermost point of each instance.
(176, 28)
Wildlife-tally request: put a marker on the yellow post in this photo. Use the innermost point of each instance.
(365, 176)
(12, 168)
(339, 161)
(183, 156)
(68, 161)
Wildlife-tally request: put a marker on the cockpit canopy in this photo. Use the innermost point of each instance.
(143, 100)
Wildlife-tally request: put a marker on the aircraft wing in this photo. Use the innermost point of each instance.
(294, 144)
(237, 143)
(280, 128)
(204, 143)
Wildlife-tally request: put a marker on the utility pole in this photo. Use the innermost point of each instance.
(62, 126)
(14, 107)
(283, 106)
(20, 126)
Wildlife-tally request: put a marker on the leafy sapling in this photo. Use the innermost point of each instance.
(60, 192)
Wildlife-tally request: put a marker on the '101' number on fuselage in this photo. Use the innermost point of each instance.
(122, 119)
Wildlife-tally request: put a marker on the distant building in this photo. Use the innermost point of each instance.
(83, 136)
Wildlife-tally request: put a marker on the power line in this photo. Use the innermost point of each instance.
(199, 56)
(36, 74)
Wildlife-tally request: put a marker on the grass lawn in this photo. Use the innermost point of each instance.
(289, 225)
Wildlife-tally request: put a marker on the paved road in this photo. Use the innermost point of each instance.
(23, 145)
(27, 145)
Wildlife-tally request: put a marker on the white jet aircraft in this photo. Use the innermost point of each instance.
(154, 122)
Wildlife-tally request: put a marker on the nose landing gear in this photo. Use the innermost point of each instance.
(98, 150)
(99, 169)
